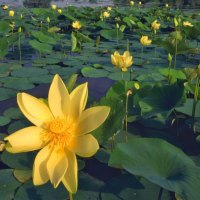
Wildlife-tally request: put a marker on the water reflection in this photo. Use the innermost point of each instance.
(93, 3)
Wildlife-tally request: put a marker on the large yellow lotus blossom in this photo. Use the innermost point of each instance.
(122, 61)
(61, 131)
(155, 25)
(106, 14)
(5, 7)
(11, 13)
(186, 23)
(144, 40)
(77, 25)
(53, 6)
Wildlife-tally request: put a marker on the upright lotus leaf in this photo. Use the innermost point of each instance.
(4, 27)
(111, 34)
(160, 163)
(3, 47)
(162, 100)
(41, 47)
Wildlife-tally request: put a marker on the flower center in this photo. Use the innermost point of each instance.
(58, 126)
(58, 132)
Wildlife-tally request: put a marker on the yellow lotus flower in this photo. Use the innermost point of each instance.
(5, 7)
(140, 3)
(122, 61)
(132, 3)
(53, 6)
(61, 132)
(11, 13)
(60, 11)
(144, 40)
(48, 19)
(77, 25)
(106, 14)
(155, 25)
(186, 23)
(166, 5)
(109, 8)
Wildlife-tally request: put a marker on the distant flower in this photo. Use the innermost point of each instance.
(144, 40)
(140, 3)
(166, 5)
(155, 25)
(137, 86)
(60, 11)
(48, 19)
(12, 25)
(106, 14)
(20, 29)
(61, 131)
(5, 7)
(77, 25)
(11, 13)
(186, 23)
(122, 61)
(53, 6)
(109, 8)
(132, 3)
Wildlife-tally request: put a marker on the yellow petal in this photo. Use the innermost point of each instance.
(85, 145)
(24, 140)
(126, 54)
(40, 174)
(124, 69)
(70, 179)
(34, 109)
(113, 60)
(116, 53)
(59, 101)
(91, 119)
(57, 166)
(78, 99)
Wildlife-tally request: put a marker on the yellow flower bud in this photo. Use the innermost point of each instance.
(53, 6)
(21, 16)
(5, 7)
(132, 3)
(169, 58)
(60, 11)
(140, 3)
(117, 25)
(48, 19)
(175, 22)
(166, 5)
(137, 86)
(20, 29)
(11, 13)
(109, 8)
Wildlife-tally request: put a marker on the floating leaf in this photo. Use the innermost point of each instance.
(22, 175)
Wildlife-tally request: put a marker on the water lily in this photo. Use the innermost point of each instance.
(144, 40)
(53, 6)
(155, 25)
(11, 13)
(132, 3)
(106, 14)
(122, 61)
(187, 24)
(140, 3)
(166, 5)
(60, 11)
(5, 7)
(60, 131)
(109, 8)
(77, 25)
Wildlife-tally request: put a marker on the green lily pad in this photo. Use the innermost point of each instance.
(6, 93)
(92, 72)
(160, 163)
(8, 184)
(4, 120)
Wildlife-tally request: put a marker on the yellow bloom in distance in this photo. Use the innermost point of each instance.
(11, 13)
(132, 3)
(186, 23)
(5, 7)
(61, 131)
(60, 11)
(109, 8)
(155, 25)
(53, 6)
(122, 61)
(76, 25)
(144, 40)
(106, 14)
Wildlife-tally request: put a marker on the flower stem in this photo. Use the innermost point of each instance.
(142, 51)
(176, 47)
(126, 119)
(196, 94)
(70, 196)
(117, 37)
(20, 52)
(127, 45)
(160, 194)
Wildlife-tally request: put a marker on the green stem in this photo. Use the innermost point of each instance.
(169, 69)
(142, 52)
(122, 75)
(127, 45)
(20, 52)
(117, 37)
(196, 94)
(160, 194)
(70, 196)
(126, 119)
(176, 46)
